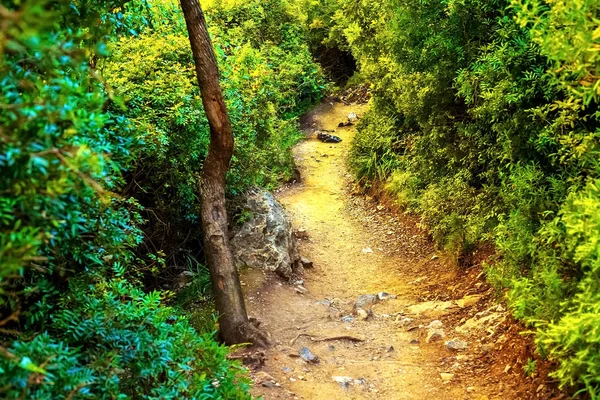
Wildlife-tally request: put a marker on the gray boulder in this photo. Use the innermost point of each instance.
(266, 240)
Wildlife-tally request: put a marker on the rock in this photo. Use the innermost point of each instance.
(337, 302)
(301, 290)
(362, 314)
(415, 342)
(264, 379)
(432, 307)
(308, 356)
(487, 348)
(296, 176)
(344, 381)
(266, 241)
(306, 263)
(403, 321)
(483, 320)
(299, 282)
(287, 370)
(367, 250)
(347, 319)
(446, 378)
(437, 324)
(184, 279)
(301, 233)
(456, 344)
(365, 300)
(327, 138)
(468, 301)
(353, 118)
(434, 335)
(360, 381)
(386, 296)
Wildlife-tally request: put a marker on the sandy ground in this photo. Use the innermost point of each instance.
(351, 258)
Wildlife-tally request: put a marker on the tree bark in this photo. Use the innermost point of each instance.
(234, 324)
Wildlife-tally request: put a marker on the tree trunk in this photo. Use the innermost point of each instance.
(233, 319)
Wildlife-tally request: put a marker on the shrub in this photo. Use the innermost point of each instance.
(489, 113)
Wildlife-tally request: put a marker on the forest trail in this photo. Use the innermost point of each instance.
(354, 252)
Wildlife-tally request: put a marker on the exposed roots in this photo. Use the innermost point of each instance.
(250, 332)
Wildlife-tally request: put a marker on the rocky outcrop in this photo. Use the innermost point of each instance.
(266, 240)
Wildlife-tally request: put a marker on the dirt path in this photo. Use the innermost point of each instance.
(353, 255)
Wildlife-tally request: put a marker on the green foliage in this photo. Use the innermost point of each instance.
(134, 346)
(102, 137)
(485, 122)
(268, 78)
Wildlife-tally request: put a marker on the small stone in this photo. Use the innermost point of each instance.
(264, 379)
(286, 370)
(437, 324)
(470, 389)
(353, 117)
(299, 282)
(446, 377)
(540, 388)
(327, 138)
(434, 335)
(487, 348)
(184, 279)
(456, 344)
(301, 290)
(365, 300)
(301, 234)
(362, 314)
(404, 321)
(347, 319)
(331, 347)
(343, 380)
(337, 302)
(308, 356)
(306, 263)
(414, 342)
(367, 250)
(468, 301)
(360, 381)
(385, 296)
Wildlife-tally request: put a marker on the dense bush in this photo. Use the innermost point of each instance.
(485, 122)
(102, 139)
(268, 78)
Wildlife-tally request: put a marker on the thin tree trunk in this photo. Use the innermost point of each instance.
(233, 319)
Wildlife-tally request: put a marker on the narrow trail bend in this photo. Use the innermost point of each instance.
(393, 361)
